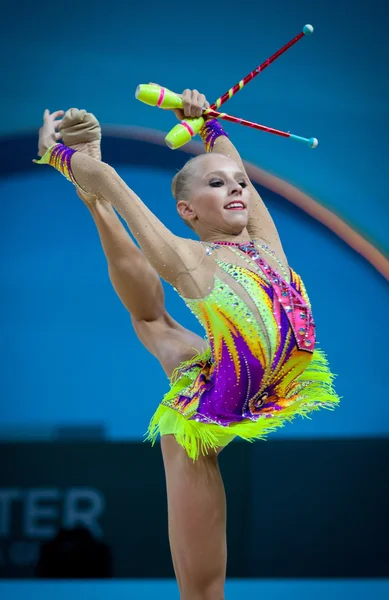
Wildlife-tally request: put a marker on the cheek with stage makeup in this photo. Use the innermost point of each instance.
(207, 201)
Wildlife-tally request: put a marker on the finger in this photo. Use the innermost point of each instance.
(57, 123)
(194, 104)
(56, 114)
(73, 116)
(201, 104)
(58, 135)
(187, 102)
(179, 114)
(207, 104)
(46, 114)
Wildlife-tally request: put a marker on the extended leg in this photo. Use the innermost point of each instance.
(197, 522)
(133, 278)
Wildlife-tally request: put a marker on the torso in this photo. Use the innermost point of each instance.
(243, 279)
(223, 267)
(199, 281)
(259, 327)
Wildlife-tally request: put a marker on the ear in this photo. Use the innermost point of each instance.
(186, 210)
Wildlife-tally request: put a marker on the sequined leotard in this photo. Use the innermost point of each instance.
(261, 367)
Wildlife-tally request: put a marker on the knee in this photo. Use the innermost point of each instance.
(214, 591)
(211, 590)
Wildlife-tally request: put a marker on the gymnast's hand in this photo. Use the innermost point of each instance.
(193, 104)
(48, 134)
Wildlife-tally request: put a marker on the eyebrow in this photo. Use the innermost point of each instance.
(222, 173)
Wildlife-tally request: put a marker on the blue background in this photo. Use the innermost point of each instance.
(70, 356)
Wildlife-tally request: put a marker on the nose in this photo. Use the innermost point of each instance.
(236, 189)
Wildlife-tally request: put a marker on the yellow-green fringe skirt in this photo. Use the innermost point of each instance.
(316, 391)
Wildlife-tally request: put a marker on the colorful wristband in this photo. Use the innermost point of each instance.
(59, 157)
(209, 133)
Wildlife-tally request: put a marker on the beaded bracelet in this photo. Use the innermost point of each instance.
(209, 133)
(59, 157)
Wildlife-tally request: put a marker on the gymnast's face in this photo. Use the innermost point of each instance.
(219, 197)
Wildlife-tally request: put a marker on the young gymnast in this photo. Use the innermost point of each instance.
(260, 366)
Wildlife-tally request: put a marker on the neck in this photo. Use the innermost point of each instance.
(241, 238)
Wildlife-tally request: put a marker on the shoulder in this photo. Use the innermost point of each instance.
(192, 253)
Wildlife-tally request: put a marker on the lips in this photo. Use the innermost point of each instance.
(235, 205)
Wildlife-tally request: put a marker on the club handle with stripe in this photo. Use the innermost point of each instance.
(307, 30)
(183, 132)
(311, 142)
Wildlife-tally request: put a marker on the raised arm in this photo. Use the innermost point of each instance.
(169, 254)
(260, 226)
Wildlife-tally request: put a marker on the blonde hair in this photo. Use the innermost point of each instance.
(182, 182)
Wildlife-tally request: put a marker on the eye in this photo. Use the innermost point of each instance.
(216, 183)
(243, 184)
